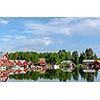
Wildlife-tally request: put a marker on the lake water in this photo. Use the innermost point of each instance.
(56, 76)
(54, 80)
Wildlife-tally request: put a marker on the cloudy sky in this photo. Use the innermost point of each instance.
(49, 34)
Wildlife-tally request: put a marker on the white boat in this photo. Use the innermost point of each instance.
(67, 70)
(89, 70)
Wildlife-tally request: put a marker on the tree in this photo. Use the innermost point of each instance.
(95, 57)
(75, 57)
(89, 53)
(68, 55)
(53, 57)
(62, 55)
(82, 57)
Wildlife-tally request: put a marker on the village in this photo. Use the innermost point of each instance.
(12, 67)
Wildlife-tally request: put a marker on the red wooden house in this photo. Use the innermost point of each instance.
(18, 63)
(25, 63)
(96, 65)
(42, 62)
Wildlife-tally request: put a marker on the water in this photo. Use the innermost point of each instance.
(56, 76)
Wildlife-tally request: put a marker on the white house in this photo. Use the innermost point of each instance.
(56, 66)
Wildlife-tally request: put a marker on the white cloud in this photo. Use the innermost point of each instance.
(43, 41)
(86, 26)
(47, 28)
(20, 37)
(64, 26)
(2, 21)
(21, 43)
(47, 41)
(61, 21)
(33, 44)
(4, 39)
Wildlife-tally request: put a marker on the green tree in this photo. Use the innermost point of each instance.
(95, 57)
(68, 55)
(89, 53)
(75, 57)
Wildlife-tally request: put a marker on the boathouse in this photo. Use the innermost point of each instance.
(69, 64)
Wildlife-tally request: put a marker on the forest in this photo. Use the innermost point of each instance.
(54, 57)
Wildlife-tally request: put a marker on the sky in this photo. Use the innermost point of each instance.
(49, 34)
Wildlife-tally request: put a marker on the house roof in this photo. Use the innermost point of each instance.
(42, 61)
(96, 62)
(25, 63)
(19, 63)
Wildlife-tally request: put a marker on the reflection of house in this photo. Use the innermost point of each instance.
(17, 71)
(69, 64)
(89, 61)
(91, 64)
(4, 64)
(56, 67)
(88, 64)
(3, 68)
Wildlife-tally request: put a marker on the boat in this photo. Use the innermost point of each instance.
(89, 70)
(67, 70)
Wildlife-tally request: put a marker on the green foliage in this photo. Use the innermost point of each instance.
(89, 53)
(28, 56)
(54, 57)
(95, 57)
(82, 57)
(75, 57)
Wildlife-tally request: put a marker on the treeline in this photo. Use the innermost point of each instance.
(54, 57)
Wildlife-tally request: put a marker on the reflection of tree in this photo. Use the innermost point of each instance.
(53, 74)
(68, 75)
(50, 74)
(96, 74)
(81, 72)
(56, 74)
(28, 75)
(75, 74)
(85, 75)
(62, 76)
(90, 77)
(34, 75)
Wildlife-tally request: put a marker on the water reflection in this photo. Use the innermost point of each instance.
(76, 75)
